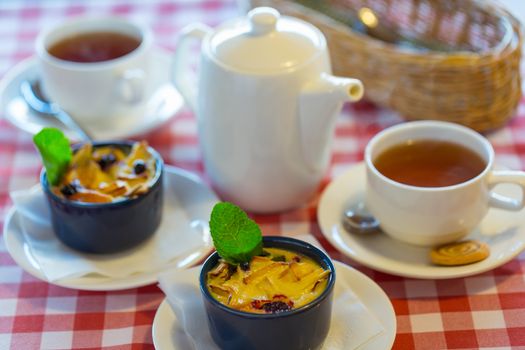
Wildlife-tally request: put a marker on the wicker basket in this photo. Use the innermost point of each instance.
(447, 60)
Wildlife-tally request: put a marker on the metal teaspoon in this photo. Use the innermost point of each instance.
(359, 221)
(31, 93)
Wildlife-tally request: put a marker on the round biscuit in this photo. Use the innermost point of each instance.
(459, 253)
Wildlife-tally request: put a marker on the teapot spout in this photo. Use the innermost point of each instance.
(322, 98)
(319, 105)
(341, 89)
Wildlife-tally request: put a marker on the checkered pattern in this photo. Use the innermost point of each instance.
(483, 311)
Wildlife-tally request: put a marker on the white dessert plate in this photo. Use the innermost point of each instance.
(503, 231)
(169, 335)
(163, 104)
(195, 197)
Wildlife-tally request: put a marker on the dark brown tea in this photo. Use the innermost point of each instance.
(429, 163)
(94, 47)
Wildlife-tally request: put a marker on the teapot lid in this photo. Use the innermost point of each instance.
(266, 42)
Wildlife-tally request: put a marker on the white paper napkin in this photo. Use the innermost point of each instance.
(173, 242)
(352, 325)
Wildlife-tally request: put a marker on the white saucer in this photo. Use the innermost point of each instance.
(196, 199)
(164, 104)
(503, 231)
(168, 334)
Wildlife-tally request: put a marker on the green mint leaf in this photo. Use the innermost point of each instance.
(55, 152)
(236, 237)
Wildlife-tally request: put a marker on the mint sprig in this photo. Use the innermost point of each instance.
(55, 151)
(235, 236)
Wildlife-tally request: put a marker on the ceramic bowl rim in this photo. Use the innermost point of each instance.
(321, 257)
(159, 169)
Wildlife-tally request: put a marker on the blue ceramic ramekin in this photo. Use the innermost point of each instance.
(302, 328)
(103, 228)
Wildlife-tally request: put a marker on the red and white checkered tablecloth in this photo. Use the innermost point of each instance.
(482, 311)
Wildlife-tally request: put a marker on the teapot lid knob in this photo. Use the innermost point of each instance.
(263, 20)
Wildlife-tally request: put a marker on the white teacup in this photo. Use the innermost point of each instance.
(428, 216)
(97, 92)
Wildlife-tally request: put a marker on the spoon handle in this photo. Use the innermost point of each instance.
(71, 124)
(32, 94)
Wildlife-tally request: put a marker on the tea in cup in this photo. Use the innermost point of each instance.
(96, 69)
(430, 182)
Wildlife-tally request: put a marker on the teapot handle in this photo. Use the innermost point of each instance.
(183, 77)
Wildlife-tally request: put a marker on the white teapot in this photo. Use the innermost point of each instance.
(266, 105)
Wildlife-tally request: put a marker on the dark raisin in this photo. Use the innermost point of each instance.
(245, 266)
(279, 258)
(231, 269)
(68, 190)
(265, 253)
(139, 166)
(276, 306)
(106, 161)
(296, 258)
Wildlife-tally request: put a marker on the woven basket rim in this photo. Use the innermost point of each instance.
(512, 36)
